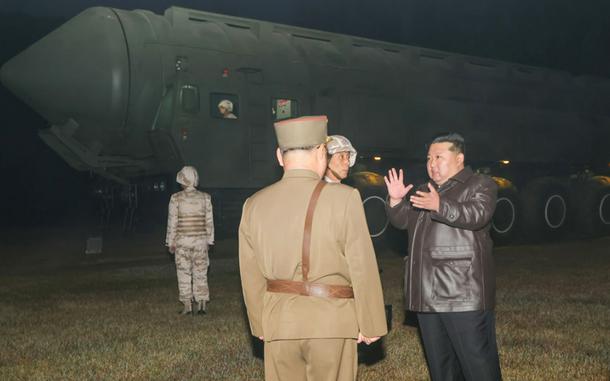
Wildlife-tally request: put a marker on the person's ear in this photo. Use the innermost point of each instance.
(280, 158)
(460, 158)
(322, 153)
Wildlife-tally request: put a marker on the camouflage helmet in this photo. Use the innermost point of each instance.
(339, 143)
(188, 177)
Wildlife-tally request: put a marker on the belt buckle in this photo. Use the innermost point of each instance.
(306, 288)
(318, 290)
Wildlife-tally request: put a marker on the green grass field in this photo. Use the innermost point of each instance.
(121, 323)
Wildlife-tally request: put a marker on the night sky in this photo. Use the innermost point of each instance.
(567, 35)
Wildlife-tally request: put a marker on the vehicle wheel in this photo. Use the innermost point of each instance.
(506, 218)
(373, 192)
(376, 219)
(592, 206)
(545, 208)
(383, 234)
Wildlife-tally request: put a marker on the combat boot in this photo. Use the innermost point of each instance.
(187, 310)
(201, 307)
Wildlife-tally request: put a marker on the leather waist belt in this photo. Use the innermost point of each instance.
(310, 289)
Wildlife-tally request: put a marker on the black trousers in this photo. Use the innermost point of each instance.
(460, 345)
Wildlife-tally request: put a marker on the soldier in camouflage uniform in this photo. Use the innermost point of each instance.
(190, 230)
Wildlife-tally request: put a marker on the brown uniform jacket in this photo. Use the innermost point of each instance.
(270, 241)
(450, 267)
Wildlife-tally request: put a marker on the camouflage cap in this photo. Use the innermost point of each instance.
(306, 131)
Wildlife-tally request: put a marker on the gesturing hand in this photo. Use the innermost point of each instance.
(396, 188)
(426, 200)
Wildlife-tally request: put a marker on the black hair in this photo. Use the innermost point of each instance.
(457, 141)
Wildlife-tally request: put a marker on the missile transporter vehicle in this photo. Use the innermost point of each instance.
(132, 96)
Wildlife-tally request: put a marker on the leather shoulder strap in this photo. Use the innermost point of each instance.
(307, 233)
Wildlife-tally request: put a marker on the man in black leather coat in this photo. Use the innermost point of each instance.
(450, 278)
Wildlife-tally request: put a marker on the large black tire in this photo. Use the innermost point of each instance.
(506, 219)
(376, 218)
(374, 193)
(545, 208)
(591, 209)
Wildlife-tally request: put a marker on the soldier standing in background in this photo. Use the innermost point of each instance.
(190, 230)
(309, 274)
(342, 156)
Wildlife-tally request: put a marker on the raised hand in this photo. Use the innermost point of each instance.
(396, 188)
(426, 200)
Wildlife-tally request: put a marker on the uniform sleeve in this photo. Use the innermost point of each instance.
(472, 214)
(209, 219)
(252, 280)
(172, 222)
(363, 270)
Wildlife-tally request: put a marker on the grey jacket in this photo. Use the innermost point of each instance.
(450, 266)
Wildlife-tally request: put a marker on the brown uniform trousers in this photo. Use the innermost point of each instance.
(311, 359)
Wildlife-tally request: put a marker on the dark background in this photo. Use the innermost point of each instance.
(37, 188)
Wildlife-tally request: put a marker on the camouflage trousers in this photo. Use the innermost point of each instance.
(192, 263)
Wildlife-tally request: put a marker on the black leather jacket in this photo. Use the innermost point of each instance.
(450, 266)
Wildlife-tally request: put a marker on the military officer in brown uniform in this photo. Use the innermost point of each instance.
(190, 230)
(308, 269)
